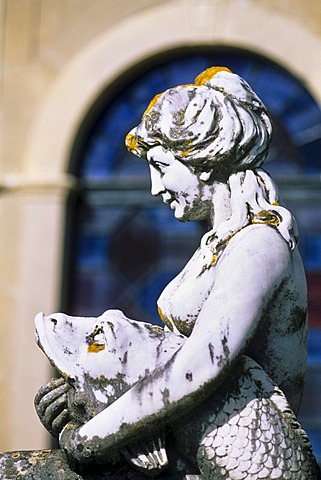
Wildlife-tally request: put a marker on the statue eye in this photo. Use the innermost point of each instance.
(96, 340)
(99, 336)
(54, 321)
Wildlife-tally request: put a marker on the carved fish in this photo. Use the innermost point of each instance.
(244, 430)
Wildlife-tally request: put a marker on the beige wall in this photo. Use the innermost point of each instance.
(56, 56)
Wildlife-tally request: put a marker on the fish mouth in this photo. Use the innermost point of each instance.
(45, 344)
(41, 336)
(39, 320)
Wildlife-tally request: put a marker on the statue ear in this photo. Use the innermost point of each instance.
(205, 176)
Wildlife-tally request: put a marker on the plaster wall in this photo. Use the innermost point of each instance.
(56, 57)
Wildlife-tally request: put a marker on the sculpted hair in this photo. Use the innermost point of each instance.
(254, 200)
(216, 124)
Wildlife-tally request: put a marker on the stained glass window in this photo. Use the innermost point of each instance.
(123, 246)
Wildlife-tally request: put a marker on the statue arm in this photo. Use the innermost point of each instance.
(248, 277)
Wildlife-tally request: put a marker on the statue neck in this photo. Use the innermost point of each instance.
(221, 204)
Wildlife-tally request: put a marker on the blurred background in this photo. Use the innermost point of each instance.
(80, 231)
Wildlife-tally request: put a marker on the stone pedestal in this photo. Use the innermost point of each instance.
(51, 465)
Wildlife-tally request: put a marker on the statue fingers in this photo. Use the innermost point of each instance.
(52, 415)
(51, 385)
(59, 422)
(148, 455)
(56, 415)
(49, 394)
(56, 406)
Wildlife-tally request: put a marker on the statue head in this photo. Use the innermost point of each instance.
(221, 130)
(218, 124)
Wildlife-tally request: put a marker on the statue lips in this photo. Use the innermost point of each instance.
(168, 198)
(173, 204)
(171, 201)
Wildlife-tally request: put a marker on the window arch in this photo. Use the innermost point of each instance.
(123, 246)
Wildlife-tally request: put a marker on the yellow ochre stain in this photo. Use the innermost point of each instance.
(184, 153)
(209, 73)
(160, 313)
(266, 217)
(96, 347)
(214, 259)
(131, 142)
(164, 319)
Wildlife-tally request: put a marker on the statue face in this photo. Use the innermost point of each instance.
(178, 185)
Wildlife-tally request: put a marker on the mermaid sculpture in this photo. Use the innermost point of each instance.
(226, 391)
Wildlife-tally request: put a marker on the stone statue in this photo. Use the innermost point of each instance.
(213, 395)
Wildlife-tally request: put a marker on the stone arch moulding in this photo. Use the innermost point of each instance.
(136, 38)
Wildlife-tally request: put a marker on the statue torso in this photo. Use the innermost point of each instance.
(279, 344)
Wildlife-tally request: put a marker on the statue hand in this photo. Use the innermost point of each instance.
(148, 456)
(51, 404)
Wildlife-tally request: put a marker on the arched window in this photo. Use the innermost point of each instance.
(123, 246)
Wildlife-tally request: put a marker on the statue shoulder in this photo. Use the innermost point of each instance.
(254, 253)
(256, 239)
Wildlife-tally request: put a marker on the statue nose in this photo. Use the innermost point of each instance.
(157, 186)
